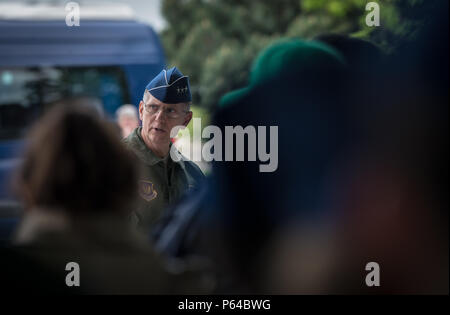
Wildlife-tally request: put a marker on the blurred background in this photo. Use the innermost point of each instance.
(121, 45)
(214, 42)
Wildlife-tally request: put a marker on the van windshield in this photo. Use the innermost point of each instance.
(27, 93)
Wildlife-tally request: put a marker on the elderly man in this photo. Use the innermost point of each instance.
(165, 105)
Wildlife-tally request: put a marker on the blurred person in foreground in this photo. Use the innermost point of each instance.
(388, 191)
(165, 108)
(394, 206)
(127, 119)
(361, 55)
(297, 86)
(362, 174)
(384, 194)
(77, 181)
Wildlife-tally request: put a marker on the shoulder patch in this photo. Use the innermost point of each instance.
(147, 190)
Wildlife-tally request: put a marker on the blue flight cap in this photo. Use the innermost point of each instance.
(170, 86)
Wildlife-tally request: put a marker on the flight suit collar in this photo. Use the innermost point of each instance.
(142, 151)
(145, 153)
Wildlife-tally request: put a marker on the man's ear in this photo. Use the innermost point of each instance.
(188, 118)
(141, 110)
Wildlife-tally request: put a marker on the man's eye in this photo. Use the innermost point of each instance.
(154, 107)
(170, 110)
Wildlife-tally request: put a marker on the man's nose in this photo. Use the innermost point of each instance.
(160, 115)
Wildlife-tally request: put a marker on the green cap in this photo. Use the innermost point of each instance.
(285, 58)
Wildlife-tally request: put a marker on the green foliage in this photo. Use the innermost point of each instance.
(229, 69)
(203, 114)
(216, 41)
(203, 40)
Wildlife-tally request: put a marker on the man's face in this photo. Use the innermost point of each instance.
(159, 118)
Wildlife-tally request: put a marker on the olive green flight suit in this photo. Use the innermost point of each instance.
(161, 181)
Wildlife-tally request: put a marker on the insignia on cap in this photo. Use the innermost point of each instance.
(170, 86)
(182, 90)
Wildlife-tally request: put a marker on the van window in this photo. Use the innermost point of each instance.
(26, 93)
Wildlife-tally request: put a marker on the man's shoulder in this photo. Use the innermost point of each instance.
(193, 170)
(133, 142)
(130, 139)
(135, 146)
